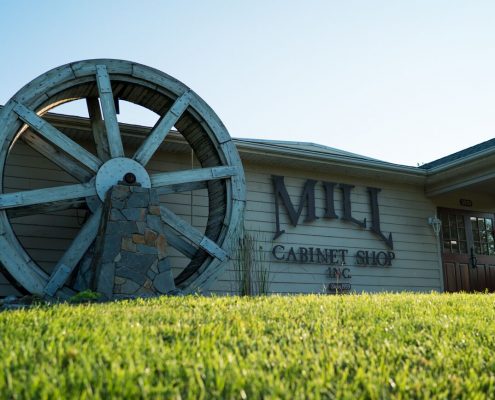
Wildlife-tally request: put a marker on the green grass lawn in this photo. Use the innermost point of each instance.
(355, 346)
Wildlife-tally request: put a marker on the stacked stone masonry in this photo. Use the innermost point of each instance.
(131, 249)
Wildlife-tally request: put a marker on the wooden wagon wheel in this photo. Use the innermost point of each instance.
(107, 80)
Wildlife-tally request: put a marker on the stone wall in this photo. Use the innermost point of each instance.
(130, 257)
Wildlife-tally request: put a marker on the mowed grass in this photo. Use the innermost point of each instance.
(353, 346)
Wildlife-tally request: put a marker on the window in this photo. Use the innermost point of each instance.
(454, 234)
(483, 241)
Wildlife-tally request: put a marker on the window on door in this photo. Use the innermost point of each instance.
(483, 241)
(461, 232)
(454, 234)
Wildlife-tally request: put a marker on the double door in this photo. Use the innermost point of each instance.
(468, 250)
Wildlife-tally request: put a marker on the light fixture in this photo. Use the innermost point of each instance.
(436, 224)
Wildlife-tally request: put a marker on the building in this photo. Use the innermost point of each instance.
(318, 219)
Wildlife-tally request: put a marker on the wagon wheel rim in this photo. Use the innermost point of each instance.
(22, 117)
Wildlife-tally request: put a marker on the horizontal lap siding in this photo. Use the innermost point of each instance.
(404, 211)
(6, 289)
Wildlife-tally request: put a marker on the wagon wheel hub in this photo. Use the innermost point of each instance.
(118, 170)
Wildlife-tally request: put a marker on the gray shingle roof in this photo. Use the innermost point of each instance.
(460, 154)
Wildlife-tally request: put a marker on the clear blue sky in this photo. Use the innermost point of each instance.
(403, 81)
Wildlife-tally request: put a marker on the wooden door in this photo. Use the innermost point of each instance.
(468, 251)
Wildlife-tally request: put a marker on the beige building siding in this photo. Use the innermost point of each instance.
(481, 202)
(404, 211)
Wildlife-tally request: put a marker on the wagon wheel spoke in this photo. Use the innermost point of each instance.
(114, 139)
(46, 195)
(185, 180)
(74, 253)
(98, 128)
(179, 243)
(57, 138)
(56, 156)
(192, 234)
(45, 208)
(161, 129)
(182, 187)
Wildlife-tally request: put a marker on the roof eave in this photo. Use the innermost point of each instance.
(461, 173)
(355, 166)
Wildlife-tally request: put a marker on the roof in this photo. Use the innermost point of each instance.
(477, 148)
(465, 167)
(304, 155)
(307, 146)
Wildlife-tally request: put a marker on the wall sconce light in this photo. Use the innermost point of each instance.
(436, 224)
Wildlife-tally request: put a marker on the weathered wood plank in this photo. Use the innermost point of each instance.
(18, 266)
(234, 221)
(192, 234)
(179, 243)
(46, 195)
(181, 187)
(158, 78)
(238, 184)
(57, 157)
(192, 175)
(74, 253)
(109, 113)
(161, 129)
(56, 137)
(44, 208)
(210, 120)
(98, 128)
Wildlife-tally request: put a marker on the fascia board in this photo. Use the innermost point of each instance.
(387, 171)
(463, 173)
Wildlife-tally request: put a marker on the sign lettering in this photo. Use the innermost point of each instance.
(307, 199)
(329, 256)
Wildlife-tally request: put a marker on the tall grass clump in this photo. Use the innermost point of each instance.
(251, 265)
